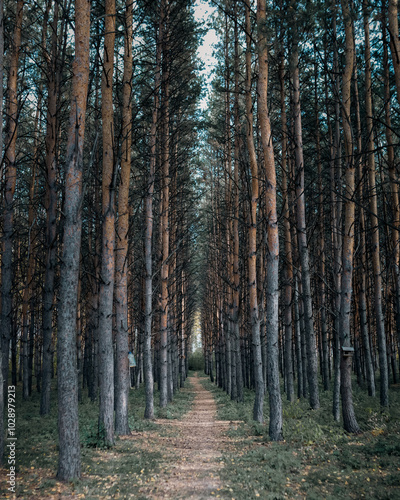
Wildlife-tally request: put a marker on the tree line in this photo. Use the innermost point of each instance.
(98, 206)
(125, 212)
(302, 254)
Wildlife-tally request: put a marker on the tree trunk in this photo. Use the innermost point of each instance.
(10, 179)
(165, 204)
(272, 252)
(148, 308)
(312, 362)
(321, 250)
(252, 238)
(336, 213)
(121, 263)
(349, 420)
(27, 297)
(235, 270)
(362, 275)
(51, 222)
(373, 211)
(106, 353)
(288, 272)
(394, 188)
(230, 237)
(69, 464)
(299, 365)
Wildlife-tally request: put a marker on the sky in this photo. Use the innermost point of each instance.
(204, 12)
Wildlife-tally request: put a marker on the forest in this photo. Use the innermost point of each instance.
(200, 266)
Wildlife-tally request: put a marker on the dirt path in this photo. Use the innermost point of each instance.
(195, 454)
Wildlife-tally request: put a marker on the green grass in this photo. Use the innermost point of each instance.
(317, 459)
(118, 471)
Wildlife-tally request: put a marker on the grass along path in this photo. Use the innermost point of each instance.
(318, 459)
(203, 445)
(179, 455)
(119, 472)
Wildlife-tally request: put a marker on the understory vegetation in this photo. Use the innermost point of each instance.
(317, 458)
(116, 472)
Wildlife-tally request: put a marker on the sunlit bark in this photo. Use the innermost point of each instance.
(272, 251)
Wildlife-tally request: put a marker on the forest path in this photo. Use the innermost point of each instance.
(194, 456)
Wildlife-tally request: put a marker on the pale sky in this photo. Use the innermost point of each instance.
(203, 12)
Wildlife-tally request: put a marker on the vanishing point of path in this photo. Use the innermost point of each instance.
(196, 451)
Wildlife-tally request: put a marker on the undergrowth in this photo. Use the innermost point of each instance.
(317, 458)
(119, 471)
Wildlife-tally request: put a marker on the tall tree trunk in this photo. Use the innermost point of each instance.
(10, 180)
(394, 188)
(272, 252)
(235, 270)
(228, 206)
(321, 250)
(288, 245)
(106, 353)
(362, 275)
(121, 263)
(51, 222)
(148, 308)
(32, 239)
(312, 362)
(69, 463)
(336, 216)
(373, 210)
(349, 419)
(165, 204)
(299, 365)
(252, 238)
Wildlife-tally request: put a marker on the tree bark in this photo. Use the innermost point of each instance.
(336, 216)
(362, 275)
(236, 248)
(32, 240)
(288, 271)
(229, 233)
(148, 308)
(252, 238)
(394, 188)
(373, 211)
(321, 250)
(312, 362)
(10, 180)
(106, 352)
(165, 204)
(349, 419)
(69, 463)
(51, 221)
(272, 251)
(121, 262)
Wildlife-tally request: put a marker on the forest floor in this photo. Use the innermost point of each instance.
(178, 455)
(203, 445)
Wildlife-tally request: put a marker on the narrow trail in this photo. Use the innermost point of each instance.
(195, 454)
